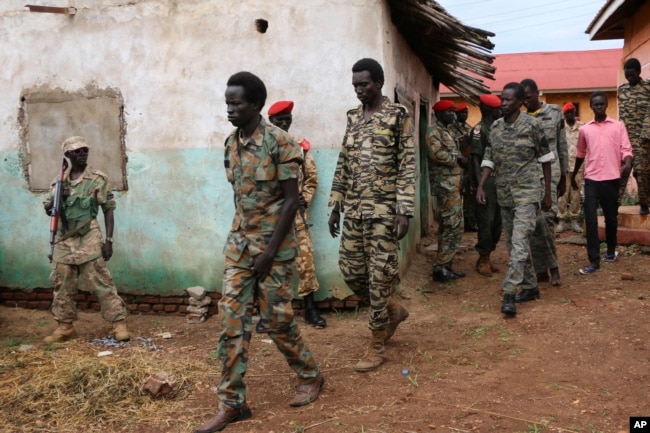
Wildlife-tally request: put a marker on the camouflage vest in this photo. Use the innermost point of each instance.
(81, 206)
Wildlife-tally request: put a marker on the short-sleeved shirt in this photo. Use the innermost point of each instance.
(91, 185)
(515, 153)
(255, 168)
(375, 176)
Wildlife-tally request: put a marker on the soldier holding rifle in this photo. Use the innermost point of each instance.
(79, 254)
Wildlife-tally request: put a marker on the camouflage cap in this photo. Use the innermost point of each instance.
(73, 143)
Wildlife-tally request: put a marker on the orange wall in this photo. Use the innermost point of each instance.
(637, 41)
(582, 98)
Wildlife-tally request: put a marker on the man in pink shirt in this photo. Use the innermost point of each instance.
(603, 144)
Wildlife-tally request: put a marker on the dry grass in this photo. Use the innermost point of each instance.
(70, 389)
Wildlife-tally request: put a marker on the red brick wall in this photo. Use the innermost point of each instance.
(41, 299)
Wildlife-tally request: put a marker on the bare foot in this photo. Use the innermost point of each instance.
(555, 277)
(542, 277)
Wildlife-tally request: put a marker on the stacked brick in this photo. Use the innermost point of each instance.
(199, 302)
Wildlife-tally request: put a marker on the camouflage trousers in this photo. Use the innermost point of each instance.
(93, 277)
(641, 172)
(368, 261)
(274, 295)
(488, 218)
(305, 260)
(518, 225)
(449, 216)
(542, 242)
(570, 201)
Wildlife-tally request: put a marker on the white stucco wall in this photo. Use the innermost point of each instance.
(170, 60)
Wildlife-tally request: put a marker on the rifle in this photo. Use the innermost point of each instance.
(55, 210)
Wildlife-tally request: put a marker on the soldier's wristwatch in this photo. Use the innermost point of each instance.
(109, 239)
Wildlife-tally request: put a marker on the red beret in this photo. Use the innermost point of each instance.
(567, 107)
(442, 105)
(281, 107)
(306, 145)
(460, 107)
(490, 100)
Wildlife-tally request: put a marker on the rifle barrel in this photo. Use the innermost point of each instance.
(55, 210)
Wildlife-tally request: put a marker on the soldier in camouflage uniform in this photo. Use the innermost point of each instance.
(262, 164)
(80, 254)
(374, 186)
(542, 243)
(634, 112)
(445, 162)
(488, 215)
(280, 115)
(518, 147)
(461, 131)
(571, 198)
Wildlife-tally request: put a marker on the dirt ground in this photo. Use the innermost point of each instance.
(577, 360)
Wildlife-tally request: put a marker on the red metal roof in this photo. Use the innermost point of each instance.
(558, 71)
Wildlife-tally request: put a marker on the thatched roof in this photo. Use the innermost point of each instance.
(453, 53)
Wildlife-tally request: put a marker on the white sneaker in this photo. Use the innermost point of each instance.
(612, 258)
(576, 227)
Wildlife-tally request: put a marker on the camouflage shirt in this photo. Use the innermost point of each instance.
(634, 110)
(553, 123)
(515, 153)
(461, 132)
(442, 154)
(374, 177)
(82, 241)
(572, 141)
(308, 179)
(255, 168)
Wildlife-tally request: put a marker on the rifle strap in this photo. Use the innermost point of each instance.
(70, 234)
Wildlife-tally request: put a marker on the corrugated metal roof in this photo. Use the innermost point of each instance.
(609, 22)
(558, 71)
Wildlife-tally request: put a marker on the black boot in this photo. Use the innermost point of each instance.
(445, 274)
(260, 328)
(508, 306)
(311, 313)
(527, 295)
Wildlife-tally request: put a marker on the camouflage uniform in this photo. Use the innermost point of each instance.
(515, 155)
(255, 169)
(542, 243)
(462, 132)
(308, 181)
(634, 112)
(77, 261)
(374, 181)
(571, 198)
(444, 179)
(488, 215)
